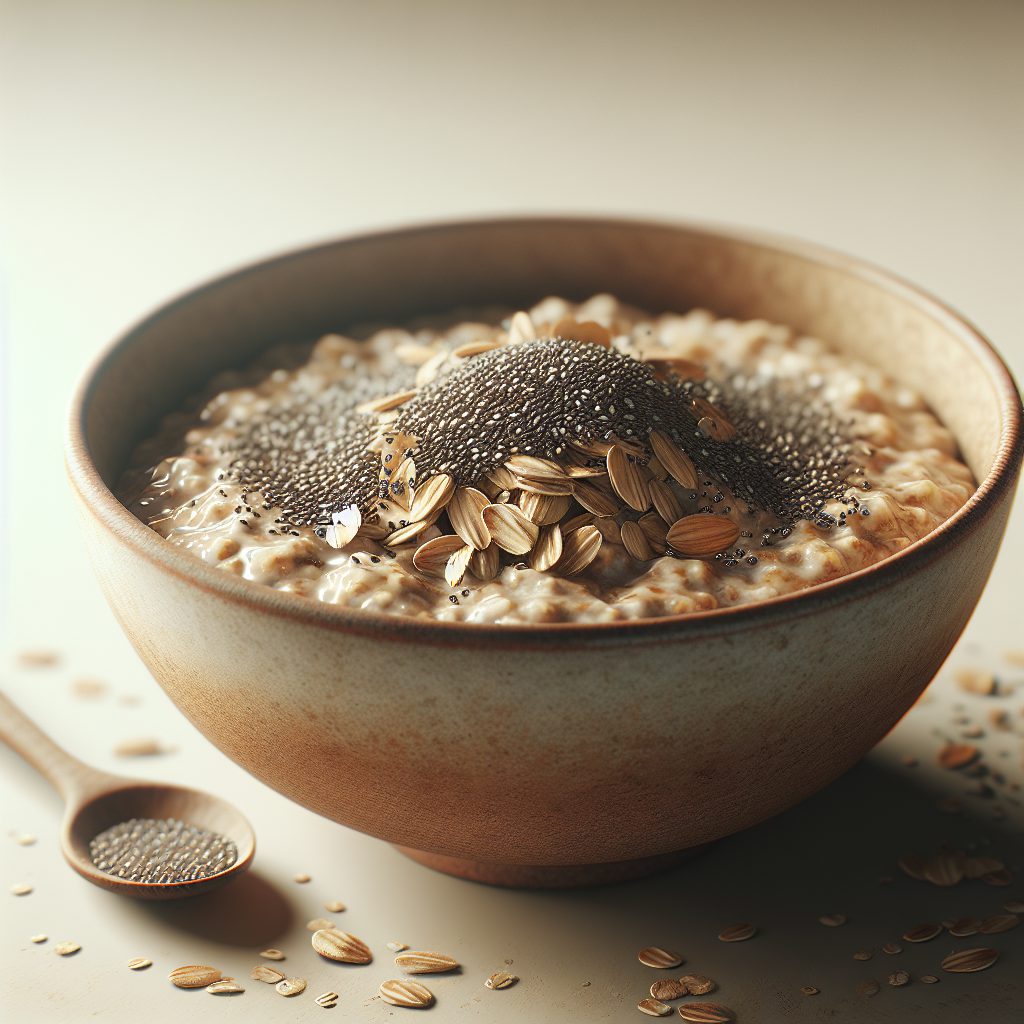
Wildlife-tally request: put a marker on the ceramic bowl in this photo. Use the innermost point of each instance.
(553, 754)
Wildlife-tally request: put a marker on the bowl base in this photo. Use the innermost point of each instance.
(550, 876)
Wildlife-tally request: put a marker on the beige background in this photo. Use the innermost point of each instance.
(146, 146)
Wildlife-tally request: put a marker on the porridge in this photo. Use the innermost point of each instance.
(570, 463)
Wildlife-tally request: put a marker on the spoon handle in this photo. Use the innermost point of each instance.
(69, 776)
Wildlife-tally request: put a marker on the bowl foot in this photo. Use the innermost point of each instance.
(550, 876)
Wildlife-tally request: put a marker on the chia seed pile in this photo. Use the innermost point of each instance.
(789, 454)
(161, 851)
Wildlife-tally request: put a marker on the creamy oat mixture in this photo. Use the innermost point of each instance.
(905, 479)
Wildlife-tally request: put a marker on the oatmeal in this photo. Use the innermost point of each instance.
(570, 463)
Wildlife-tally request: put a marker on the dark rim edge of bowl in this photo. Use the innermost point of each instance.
(101, 502)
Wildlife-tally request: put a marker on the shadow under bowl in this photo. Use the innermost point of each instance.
(530, 754)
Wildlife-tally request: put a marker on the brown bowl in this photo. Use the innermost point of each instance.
(556, 753)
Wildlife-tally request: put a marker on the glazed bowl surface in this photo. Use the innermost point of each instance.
(553, 753)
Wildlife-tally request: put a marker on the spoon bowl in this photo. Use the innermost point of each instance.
(95, 801)
(124, 799)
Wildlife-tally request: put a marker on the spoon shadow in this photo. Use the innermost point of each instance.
(249, 911)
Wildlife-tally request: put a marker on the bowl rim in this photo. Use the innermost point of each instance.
(101, 503)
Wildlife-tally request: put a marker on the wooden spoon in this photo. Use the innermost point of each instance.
(96, 800)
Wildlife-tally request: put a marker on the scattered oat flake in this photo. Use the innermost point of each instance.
(1014, 906)
(38, 659)
(929, 979)
(963, 926)
(261, 972)
(194, 976)
(810, 990)
(833, 920)
(21, 889)
(912, 865)
(334, 907)
(333, 944)
(958, 755)
(317, 923)
(737, 933)
(899, 978)
(139, 963)
(327, 999)
(944, 869)
(977, 681)
(654, 1007)
(26, 839)
(406, 993)
(892, 948)
(291, 986)
(39, 938)
(922, 933)
(397, 947)
(862, 954)
(706, 1013)
(501, 979)
(272, 954)
(998, 923)
(698, 984)
(1014, 658)
(227, 987)
(999, 878)
(999, 718)
(978, 867)
(302, 879)
(141, 748)
(66, 948)
(88, 689)
(654, 956)
(868, 988)
(668, 988)
(421, 962)
(966, 961)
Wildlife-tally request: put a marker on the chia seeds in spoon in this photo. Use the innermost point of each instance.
(161, 851)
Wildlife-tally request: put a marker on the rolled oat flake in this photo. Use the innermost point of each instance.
(654, 1007)
(668, 988)
(655, 956)
(410, 994)
(269, 975)
(967, 961)
(698, 984)
(706, 1013)
(501, 979)
(194, 976)
(224, 988)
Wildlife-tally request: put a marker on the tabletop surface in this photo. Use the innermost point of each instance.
(147, 146)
